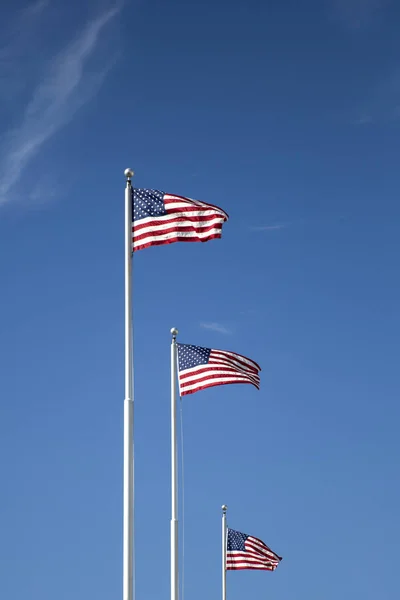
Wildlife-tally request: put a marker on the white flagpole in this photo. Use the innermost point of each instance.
(224, 509)
(128, 591)
(174, 474)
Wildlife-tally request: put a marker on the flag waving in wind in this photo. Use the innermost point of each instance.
(200, 368)
(160, 218)
(247, 552)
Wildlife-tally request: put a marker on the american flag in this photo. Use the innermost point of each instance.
(200, 368)
(247, 552)
(160, 218)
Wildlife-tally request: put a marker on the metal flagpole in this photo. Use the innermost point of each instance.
(224, 509)
(128, 590)
(174, 474)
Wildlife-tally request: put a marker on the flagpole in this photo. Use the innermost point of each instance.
(224, 509)
(128, 591)
(174, 474)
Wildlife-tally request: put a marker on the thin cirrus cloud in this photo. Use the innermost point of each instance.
(217, 327)
(273, 227)
(382, 105)
(35, 8)
(357, 14)
(57, 94)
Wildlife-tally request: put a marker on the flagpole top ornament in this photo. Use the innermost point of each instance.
(224, 508)
(174, 332)
(128, 174)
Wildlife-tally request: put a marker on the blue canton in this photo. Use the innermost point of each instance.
(191, 356)
(147, 203)
(236, 540)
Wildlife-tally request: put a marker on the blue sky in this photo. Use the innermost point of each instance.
(286, 114)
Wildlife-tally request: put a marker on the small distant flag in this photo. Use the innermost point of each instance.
(160, 218)
(200, 368)
(247, 552)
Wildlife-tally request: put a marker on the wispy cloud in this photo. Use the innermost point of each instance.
(364, 119)
(217, 327)
(45, 190)
(56, 96)
(35, 8)
(382, 104)
(249, 312)
(273, 227)
(357, 14)
(18, 35)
